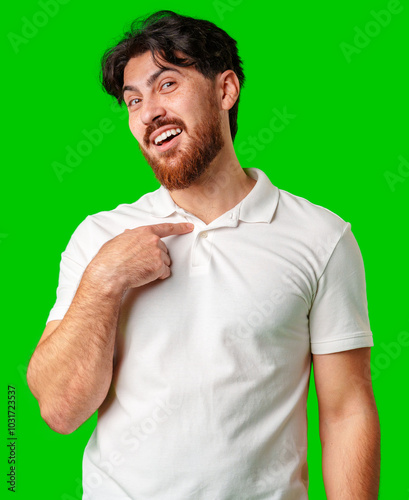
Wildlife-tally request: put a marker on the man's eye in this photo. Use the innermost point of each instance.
(132, 101)
(167, 83)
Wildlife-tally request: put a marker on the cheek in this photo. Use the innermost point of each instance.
(135, 131)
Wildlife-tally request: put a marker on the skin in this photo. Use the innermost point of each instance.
(349, 424)
(189, 155)
(70, 371)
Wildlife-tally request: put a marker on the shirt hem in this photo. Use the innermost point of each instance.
(361, 339)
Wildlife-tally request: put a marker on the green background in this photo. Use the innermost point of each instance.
(344, 149)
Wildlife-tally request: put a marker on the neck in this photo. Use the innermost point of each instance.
(219, 189)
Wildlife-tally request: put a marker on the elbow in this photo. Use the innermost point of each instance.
(55, 414)
(56, 421)
(60, 427)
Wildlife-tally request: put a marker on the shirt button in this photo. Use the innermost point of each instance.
(204, 234)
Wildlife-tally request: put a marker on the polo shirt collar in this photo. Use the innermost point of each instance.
(258, 206)
(261, 203)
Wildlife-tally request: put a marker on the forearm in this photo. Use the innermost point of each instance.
(70, 372)
(351, 457)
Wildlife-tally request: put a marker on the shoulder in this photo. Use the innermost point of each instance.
(308, 214)
(309, 219)
(96, 229)
(296, 213)
(314, 228)
(124, 216)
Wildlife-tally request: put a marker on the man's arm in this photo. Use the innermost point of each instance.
(349, 425)
(71, 369)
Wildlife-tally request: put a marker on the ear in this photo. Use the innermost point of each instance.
(229, 86)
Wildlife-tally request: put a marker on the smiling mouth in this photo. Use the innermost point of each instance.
(166, 140)
(167, 136)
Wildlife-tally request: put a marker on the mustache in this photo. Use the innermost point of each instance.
(161, 123)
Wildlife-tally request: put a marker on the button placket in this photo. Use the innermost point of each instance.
(202, 249)
(204, 234)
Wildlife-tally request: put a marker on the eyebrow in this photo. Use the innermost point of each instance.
(151, 80)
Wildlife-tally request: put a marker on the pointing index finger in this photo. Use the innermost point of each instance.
(167, 229)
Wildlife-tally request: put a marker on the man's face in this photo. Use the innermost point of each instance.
(177, 101)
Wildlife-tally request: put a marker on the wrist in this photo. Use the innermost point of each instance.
(102, 281)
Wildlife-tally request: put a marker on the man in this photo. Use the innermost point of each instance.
(190, 318)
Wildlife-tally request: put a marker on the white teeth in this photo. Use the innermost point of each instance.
(167, 134)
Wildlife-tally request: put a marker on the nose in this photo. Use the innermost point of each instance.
(151, 110)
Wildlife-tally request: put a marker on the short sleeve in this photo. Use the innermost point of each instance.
(72, 266)
(338, 317)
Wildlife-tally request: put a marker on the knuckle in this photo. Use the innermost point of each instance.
(154, 238)
(154, 265)
(165, 274)
(157, 254)
(158, 263)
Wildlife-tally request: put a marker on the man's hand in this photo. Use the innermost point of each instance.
(135, 257)
(71, 369)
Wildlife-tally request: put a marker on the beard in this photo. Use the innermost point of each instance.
(179, 168)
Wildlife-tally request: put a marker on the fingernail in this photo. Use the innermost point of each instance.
(190, 226)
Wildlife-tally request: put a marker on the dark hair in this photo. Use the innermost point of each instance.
(210, 49)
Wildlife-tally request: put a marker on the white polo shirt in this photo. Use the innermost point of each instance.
(208, 399)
